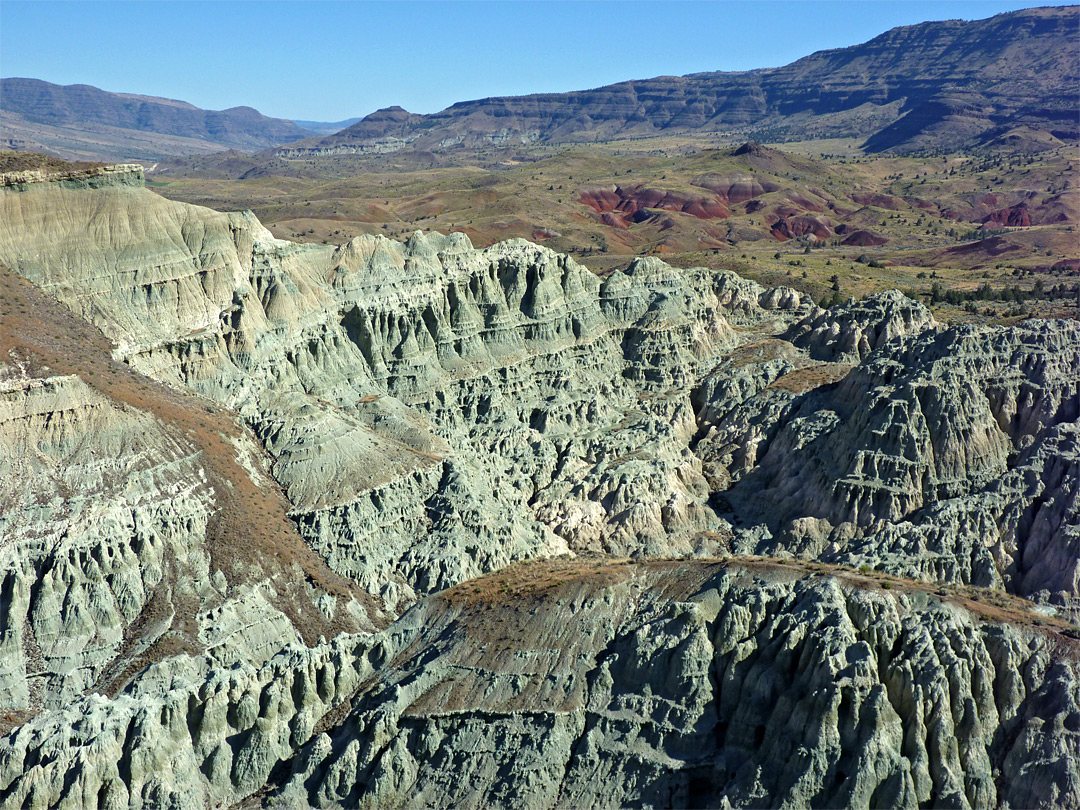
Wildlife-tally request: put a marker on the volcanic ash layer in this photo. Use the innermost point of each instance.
(363, 443)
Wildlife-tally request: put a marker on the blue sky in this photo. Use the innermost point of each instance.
(334, 60)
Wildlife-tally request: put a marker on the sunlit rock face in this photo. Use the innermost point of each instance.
(432, 415)
(597, 683)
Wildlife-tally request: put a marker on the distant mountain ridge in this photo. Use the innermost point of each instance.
(326, 127)
(935, 84)
(83, 121)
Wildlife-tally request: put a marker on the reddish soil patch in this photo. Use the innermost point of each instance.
(735, 189)
(865, 239)
(794, 227)
(1016, 217)
(628, 200)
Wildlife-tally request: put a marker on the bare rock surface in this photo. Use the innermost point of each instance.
(850, 333)
(98, 507)
(105, 517)
(944, 453)
(597, 683)
(430, 415)
(691, 685)
(433, 411)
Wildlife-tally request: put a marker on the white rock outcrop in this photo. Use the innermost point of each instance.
(433, 415)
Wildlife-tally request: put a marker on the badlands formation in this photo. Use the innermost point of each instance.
(420, 525)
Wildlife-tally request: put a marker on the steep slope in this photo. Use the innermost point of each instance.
(136, 522)
(933, 85)
(435, 411)
(597, 683)
(943, 454)
(384, 378)
(431, 413)
(84, 122)
(971, 436)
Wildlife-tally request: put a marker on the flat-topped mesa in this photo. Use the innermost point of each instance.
(115, 174)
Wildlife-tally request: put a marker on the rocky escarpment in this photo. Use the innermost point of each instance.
(937, 85)
(98, 508)
(136, 522)
(947, 455)
(848, 334)
(435, 411)
(693, 685)
(187, 733)
(600, 684)
(109, 557)
(428, 413)
(385, 378)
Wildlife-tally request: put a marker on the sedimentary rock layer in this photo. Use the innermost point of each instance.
(433, 413)
(592, 683)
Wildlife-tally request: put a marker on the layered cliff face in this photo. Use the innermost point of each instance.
(100, 507)
(596, 683)
(936, 85)
(112, 557)
(429, 413)
(946, 455)
(433, 411)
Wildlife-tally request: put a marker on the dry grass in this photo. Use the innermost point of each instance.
(808, 378)
(526, 581)
(11, 161)
(759, 351)
(536, 579)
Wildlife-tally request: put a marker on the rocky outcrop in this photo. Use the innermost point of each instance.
(435, 414)
(850, 333)
(185, 734)
(109, 560)
(958, 436)
(383, 378)
(103, 515)
(596, 683)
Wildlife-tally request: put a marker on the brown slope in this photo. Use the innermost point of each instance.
(251, 537)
